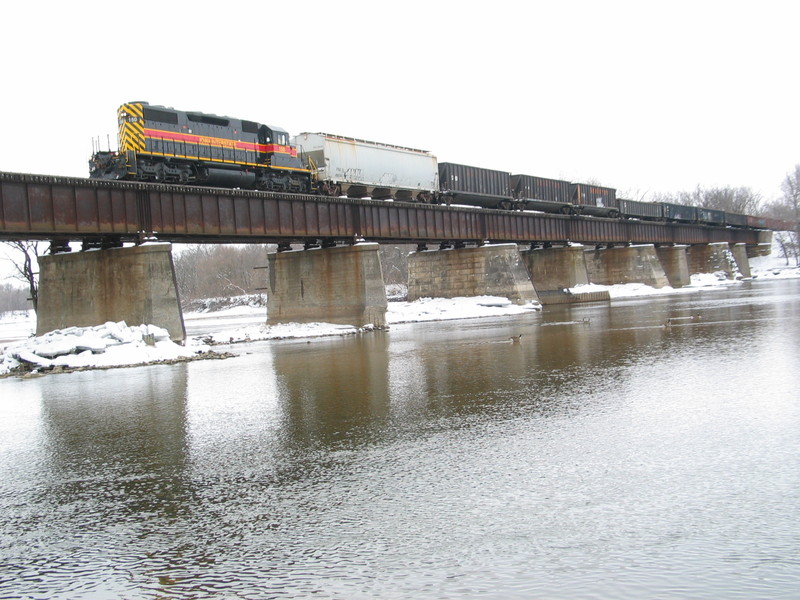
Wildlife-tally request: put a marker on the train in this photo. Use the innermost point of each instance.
(164, 145)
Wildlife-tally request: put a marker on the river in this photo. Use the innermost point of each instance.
(647, 448)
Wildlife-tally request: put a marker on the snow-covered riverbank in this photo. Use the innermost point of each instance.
(118, 344)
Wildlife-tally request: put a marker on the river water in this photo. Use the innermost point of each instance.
(606, 455)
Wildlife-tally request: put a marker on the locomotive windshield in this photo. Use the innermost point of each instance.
(273, 136)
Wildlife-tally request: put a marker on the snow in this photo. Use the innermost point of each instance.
(441, 309)
(631, 290)
(117, 344)
(102, 346)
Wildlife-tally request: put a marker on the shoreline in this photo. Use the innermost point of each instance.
(21, 354)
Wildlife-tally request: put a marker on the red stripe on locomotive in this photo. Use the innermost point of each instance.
(172, 136)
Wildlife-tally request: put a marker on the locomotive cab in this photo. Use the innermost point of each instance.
(276, 149)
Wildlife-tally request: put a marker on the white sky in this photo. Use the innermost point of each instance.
(641, 96)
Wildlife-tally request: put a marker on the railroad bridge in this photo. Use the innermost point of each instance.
(336, 277)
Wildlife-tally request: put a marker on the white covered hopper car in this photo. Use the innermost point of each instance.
(357, 168)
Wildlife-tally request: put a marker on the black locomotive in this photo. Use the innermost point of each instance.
(165, 145)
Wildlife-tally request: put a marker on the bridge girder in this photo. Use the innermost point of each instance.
(109, 212)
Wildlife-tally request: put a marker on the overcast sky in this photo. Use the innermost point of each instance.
(642, 96)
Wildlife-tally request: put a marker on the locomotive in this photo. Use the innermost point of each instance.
(164, 145)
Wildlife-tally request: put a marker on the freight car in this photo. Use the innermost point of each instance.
(475, 186)
(355, 168)
(735, 220)
(635, 209)
(678, 212)
(162, 144)
(488, 188)
(595, 200)
(711, 216)
(543, 194)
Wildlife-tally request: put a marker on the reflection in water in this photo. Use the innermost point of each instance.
(605, 455)
(112, 460)
(328, 391)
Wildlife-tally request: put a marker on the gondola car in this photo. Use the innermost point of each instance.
(710, 216)
(678, 212)
(543, 194)
(735, 220)
(594, 200)
(475, 186)
(635, 209)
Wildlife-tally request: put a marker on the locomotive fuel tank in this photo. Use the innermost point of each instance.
(359, 168)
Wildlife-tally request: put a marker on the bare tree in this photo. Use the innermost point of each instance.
(25, 264)
(206, 271)
(394, 261)
(12, 297)
(791, 193)
(791, 208)
(785, 241)
(742, 200)
(634, 194)
(224, 270)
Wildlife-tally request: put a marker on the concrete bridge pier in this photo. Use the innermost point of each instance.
(626, 264)
(341, 284)
(717, 257)
(489, 270)
(135, 285)
(739, 252)
(555, 270)
(675, 264)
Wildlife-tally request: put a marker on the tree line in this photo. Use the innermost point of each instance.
(13, 298)
(220, 270)
(223, 270)
(744, 200)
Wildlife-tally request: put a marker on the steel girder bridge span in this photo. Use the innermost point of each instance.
(109, 213)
